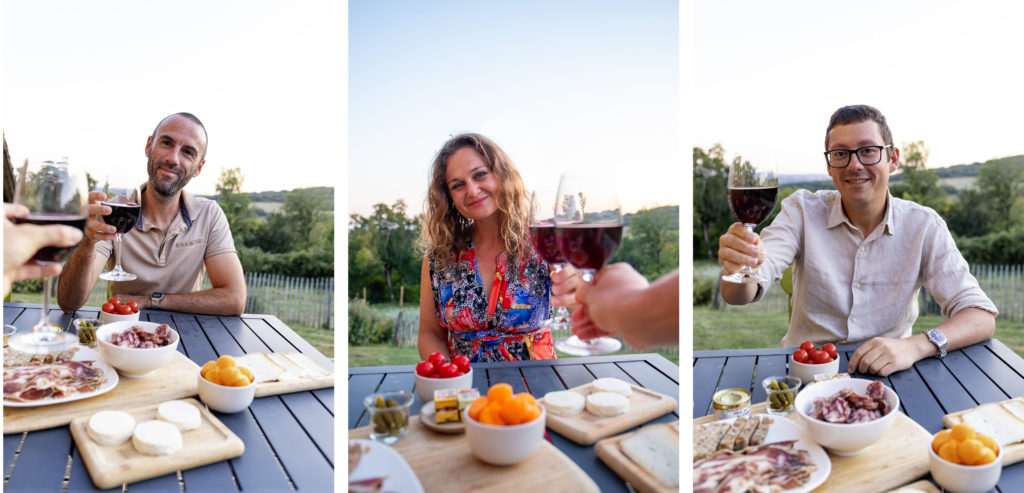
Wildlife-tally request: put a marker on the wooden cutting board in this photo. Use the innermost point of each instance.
(586, 428)
(174, 380)
(609, 452)
(296, 382)
(111, 466)
(901, 456)
(922, 486)
(443, 462)
(1012, 453)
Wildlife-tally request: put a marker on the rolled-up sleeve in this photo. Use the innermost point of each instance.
(947, 276)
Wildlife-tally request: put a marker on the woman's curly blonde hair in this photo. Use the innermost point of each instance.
(445, 232)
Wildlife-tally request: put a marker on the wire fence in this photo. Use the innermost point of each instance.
(304, 300)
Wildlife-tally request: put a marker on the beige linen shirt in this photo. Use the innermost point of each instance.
(171, 261)
(849, 288)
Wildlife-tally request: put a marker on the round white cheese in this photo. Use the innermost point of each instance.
(564, 403)
(607, 404)
(615, 385)
(111, 427)
(181, 414)
(156, 438)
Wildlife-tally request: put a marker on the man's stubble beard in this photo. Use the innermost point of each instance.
(171, 189)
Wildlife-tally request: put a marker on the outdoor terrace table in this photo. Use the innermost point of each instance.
(985, 372)
(289, 438)
(651, 371)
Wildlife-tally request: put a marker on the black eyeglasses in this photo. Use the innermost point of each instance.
(867, 155)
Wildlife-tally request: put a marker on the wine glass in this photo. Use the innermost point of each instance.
(542, 235)
(125, 207)
(753, 190)
(588, 226)
(54, 193)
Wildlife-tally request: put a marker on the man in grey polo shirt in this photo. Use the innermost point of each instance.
(177, 237)
(859, 258)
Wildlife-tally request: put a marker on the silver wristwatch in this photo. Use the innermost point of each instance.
(155, 299)
(939, 339)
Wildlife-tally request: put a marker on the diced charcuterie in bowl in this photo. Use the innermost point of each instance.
(136, 349)
(847, 415)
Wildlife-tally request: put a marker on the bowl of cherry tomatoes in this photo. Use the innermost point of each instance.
(809, 360)
(437, 373)
(115, 311)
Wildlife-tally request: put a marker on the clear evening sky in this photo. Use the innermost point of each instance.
(566, 86)
(89, 81)
(767, 75)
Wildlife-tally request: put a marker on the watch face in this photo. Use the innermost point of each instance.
(938, 336)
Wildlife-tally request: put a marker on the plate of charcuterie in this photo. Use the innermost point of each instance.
(806, 464)
(85, 375)
(374, 466)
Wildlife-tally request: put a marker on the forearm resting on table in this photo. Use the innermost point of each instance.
(968, 326)
(215, 301)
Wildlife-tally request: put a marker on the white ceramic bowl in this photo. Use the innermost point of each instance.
(504, 445)
(106, 318)
(844, 438)
(133, 362)
(425, 386)
(224, 398)
(965, 479)
(806, 372)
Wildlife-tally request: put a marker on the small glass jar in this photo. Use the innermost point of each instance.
(781, 392)
(86, 330)
(731, 403)
(389, 415)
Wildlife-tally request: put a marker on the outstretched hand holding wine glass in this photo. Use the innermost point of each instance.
(54, 192)
(125, 204)
(753, 190)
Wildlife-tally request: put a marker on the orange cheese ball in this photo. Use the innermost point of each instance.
(500, 393)
(962, 431)
(501, 407)
(207, 367)
(478, 405)
(961, 445)
(491, 415)
(225, 371)
(247, 372)
(989, 443)
(940, 439)
(948, 451)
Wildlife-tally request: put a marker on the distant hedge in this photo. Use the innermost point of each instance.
(302, 263)
(1000, 248)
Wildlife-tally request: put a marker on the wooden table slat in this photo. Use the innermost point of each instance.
(292, 445)
(256, 469)
(314, 418)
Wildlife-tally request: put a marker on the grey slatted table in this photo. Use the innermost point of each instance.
(651, 371)
(985, 372)
(289, 439)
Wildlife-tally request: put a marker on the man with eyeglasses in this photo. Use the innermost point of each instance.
(859, 258)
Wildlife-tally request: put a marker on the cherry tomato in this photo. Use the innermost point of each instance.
(800, 356)
(462, 362)
(114, 301)
(807, 346)
(136, 309)
(448, 370)
(425, 368)
(436, 359)
(132, 304)
(124, 310)
(459, 373)
(831, 350)
(109, 308)
(822, 357)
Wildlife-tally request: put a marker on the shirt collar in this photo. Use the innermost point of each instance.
(837, 216)
(187, 205)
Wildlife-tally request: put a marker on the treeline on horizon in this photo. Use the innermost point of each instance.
(985, 218)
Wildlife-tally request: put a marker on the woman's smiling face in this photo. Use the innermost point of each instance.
(471, 184)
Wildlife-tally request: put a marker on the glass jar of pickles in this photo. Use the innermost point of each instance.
(389, 415)
(86, 330)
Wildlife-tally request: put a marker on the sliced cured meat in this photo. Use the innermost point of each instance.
(137, 337)
(847, 406)
(770, 467)
(34, 382)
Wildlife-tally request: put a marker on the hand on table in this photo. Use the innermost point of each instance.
(739, 247)
(883, 356)
(22, 241)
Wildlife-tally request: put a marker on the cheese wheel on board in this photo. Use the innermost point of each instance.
(607, 404)
(609, 384)
(564, 402)
(156, 438)
(181, 414)
(110, 427)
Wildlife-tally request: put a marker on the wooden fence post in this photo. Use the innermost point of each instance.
(401, 296)
(364, 295)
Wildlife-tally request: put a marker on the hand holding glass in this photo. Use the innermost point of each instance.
(753, 189)
(125, 204)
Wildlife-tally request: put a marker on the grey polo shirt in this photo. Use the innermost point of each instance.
(171, 261)
(848, 287)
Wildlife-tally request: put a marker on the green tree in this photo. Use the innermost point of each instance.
(916, 182)
(711, 213)
(385, 240)
(241, 217)
(651, 242)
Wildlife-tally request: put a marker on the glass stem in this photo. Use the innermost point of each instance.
(561, 313)
(44, 319)
(117, 252)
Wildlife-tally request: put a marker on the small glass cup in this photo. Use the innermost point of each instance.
(389, 415)
(86, 330)
(781, 392)
(9, 331)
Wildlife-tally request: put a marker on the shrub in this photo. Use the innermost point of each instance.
(367, 326)
(703, 290)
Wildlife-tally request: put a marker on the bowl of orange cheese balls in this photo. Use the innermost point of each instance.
(226, 387)
(963, 461)
(503, 427)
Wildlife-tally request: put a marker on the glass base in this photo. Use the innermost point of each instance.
(578, 347)
(555, 324)
(739, 278)
(115, 275)
(43, 341)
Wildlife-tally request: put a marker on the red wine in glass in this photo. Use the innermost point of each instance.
(52, 254)
(545, 242)
(752, 205)
(123, 216)
(589, 246)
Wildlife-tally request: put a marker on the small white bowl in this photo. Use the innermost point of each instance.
(504, 445)
(844, 438)
(425, 386)
(806, 372)
(957, 478)
(133, 362)
(223, 398)
(106, 318)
